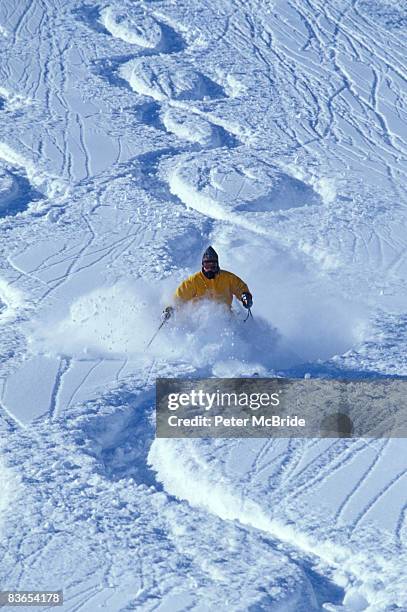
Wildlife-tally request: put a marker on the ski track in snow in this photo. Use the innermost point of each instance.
(261, 129)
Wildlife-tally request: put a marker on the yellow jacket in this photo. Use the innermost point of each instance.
(222, 288)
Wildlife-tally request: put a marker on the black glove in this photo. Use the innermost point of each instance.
(247, 299)
(167, 313)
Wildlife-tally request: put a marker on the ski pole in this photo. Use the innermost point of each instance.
(148, 345)
(166, 317)
(249, 314)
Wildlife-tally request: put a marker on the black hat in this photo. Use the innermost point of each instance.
(210, 255)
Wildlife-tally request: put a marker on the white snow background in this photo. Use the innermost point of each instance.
(133, 134)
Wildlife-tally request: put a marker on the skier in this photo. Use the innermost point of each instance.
(212, 283)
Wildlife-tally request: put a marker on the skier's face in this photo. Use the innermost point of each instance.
(210, 265)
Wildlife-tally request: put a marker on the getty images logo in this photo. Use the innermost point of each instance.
(220, 399)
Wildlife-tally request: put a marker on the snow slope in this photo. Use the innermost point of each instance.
(132, 135)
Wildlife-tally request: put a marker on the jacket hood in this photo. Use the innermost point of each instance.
(210, 254)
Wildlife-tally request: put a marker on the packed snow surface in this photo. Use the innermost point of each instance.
(132, 136)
